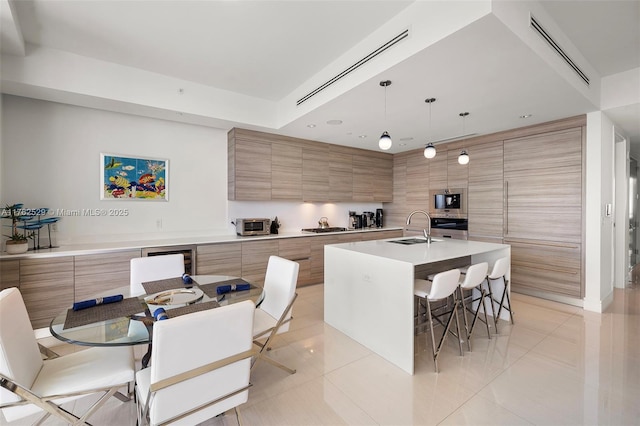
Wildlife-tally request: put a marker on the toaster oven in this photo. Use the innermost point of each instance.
(247, 227)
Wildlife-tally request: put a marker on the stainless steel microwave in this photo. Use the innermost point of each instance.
(450, 202)
(258, 226)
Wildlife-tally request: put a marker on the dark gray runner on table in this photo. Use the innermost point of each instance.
(196, 307)
(124, 308)
(157, 286)
(210, 289)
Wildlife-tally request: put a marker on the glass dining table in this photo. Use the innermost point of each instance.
(130, 321)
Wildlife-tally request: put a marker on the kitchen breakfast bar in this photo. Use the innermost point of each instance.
(368, 287)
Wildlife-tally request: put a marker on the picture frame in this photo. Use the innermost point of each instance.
(127, 177)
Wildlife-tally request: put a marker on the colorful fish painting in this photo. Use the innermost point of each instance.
(127, 178)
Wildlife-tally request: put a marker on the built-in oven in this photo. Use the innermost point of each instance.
(456, 228)
(451, 202)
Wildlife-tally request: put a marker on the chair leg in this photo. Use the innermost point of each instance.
(464, 317)
(505, 293)
(433, 336)
(484, 308)
(494, 311)
(455, 312)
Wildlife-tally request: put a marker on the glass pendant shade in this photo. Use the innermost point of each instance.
(463, 158)
(429, 151)
(385, 141)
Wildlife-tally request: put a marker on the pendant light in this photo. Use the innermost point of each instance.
(385, 140)
(430, 150)
(463, 158)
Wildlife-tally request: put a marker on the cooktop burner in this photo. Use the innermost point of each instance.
(330, 229)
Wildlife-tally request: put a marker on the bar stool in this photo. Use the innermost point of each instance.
(473, 279)
(499, 272)
(442, 287)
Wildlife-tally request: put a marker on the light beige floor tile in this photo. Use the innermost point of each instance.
(393, 397)
(480, 411)
(318, 402)
(556, 365)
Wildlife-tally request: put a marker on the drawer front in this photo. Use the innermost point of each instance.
(9, 274)
(298, 250)
(546, 267)
(255, 256)
(220, 259)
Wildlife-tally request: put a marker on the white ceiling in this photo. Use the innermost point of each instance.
(267, 49)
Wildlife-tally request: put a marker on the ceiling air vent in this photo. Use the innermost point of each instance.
(355, 66)
(535, 25)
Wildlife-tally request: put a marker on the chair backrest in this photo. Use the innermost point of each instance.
(20, 357)
(475, 275)
(444, 284)
(279, 286)
(151, 268)
(500, 268)
(190, 341)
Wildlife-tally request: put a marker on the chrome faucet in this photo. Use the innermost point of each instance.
(427, 233)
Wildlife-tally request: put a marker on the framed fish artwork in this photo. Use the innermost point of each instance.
(133, 178)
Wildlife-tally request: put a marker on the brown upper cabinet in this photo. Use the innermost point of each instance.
(264, 166)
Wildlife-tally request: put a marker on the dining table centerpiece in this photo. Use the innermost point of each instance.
(17, 242)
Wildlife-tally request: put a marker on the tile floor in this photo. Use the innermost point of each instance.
(558, 365)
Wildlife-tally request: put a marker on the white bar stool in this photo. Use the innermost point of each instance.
(442, 287)
(499, 272)
(473, 279)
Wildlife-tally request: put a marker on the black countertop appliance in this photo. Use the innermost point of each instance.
(379, 221)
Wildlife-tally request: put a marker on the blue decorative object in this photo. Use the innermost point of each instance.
(160, 314)
(99, 301)
(221, 289)
(187, 279)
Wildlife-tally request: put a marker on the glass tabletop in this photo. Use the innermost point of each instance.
(136, 329)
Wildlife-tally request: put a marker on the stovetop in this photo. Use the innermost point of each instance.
(319, 230)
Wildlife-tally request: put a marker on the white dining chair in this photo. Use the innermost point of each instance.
(152, 268)
(200, 366)
(31, 385)
(473, 279)
(443, 286)
(274, 314)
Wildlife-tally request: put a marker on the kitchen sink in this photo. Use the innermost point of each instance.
(410, 241)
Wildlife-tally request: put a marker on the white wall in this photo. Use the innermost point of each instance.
(599, 229)
(621, 228)
(51, 158)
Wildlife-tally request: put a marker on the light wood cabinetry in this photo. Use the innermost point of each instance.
(298, 250)
(315, 172)
(9, 273)
(486, 192)
(543, 177)
(340, 173)
(97, 273)
(457, 174)
(395, 213)
(417, 187)
(264, 166)
(47, 287)
(438, 167)
(317, 256)
(286, 171)
(249, 167)
(543, 181)
(546, 266)
(219, 259)
(255, 257)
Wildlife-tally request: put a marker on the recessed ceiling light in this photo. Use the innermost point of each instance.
(334, 122)
(362, 136)
(402, 144)
(311, 126)
(406, 139)
(526, 115)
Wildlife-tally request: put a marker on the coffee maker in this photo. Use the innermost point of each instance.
(379, 222)
(354, 220)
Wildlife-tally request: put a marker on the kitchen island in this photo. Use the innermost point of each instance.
(368, 288)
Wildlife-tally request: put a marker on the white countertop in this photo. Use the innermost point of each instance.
(110, 247)
(420, 254)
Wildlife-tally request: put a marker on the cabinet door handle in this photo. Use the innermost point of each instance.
(506, 207)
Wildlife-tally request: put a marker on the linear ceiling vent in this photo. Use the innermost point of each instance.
(555, 46)
(355, 66)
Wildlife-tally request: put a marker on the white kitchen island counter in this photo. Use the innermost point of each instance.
(368, 288)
